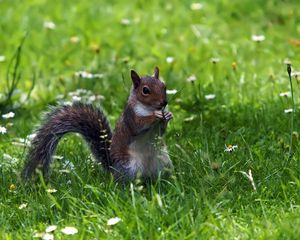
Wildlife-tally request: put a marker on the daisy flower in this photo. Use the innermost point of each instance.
(69, 230)
(125, 21)
(75, 39)
(215, 60)
(285, 94)
(230, 148)
(171, 91)
(192, 78)
(51, 228)
(290, 110)
(258, 38)
(210, 96)
(8, 115)
(113, 221)
(295, 73)
(48, 236)
(23, 205)
(49, 25)
(196, 6)
(51, 190)
(3, 130)
(170, 59)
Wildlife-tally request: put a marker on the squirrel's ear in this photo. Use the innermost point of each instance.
(136, 80)
(156, 72)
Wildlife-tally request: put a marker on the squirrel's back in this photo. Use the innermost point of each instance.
(80, 118)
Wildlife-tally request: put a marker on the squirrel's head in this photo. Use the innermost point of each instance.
(150, 91)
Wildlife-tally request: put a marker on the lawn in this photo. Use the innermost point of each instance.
(225, 62)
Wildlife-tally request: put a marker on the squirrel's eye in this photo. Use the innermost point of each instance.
(146, 91)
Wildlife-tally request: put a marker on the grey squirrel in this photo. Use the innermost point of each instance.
(134, 149)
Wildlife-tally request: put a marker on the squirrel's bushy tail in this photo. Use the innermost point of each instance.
(80, 118)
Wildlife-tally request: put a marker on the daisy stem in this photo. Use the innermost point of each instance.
(289, 70)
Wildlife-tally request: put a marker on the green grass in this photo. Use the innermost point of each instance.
(207, 197)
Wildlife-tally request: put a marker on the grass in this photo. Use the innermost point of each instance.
(208, 196)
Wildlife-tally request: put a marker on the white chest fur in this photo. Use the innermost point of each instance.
(142, 110)
(148, 154)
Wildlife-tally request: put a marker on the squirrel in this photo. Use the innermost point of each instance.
(134, 149)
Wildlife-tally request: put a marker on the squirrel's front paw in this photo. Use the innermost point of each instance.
(159, 115)
(167, 116)
(164, 116)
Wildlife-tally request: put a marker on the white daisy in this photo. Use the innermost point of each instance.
(290, 110)
(75, 39)
(285, 94)
(258, 38)
(113, 221)
(215, 60)
(3, 130)
(49, 25)
(48, 236)
(210, 96)
(125, 21)
(230, 148)
(196, 6)
(171, 91)
(8, 115)
(51, 190)
(295, 73)
(170, 59)
(192, 78)
(83, 74)
(23, 205)
(69, 230)
(51, 228)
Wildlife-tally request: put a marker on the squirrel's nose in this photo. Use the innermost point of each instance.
(164, 103)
